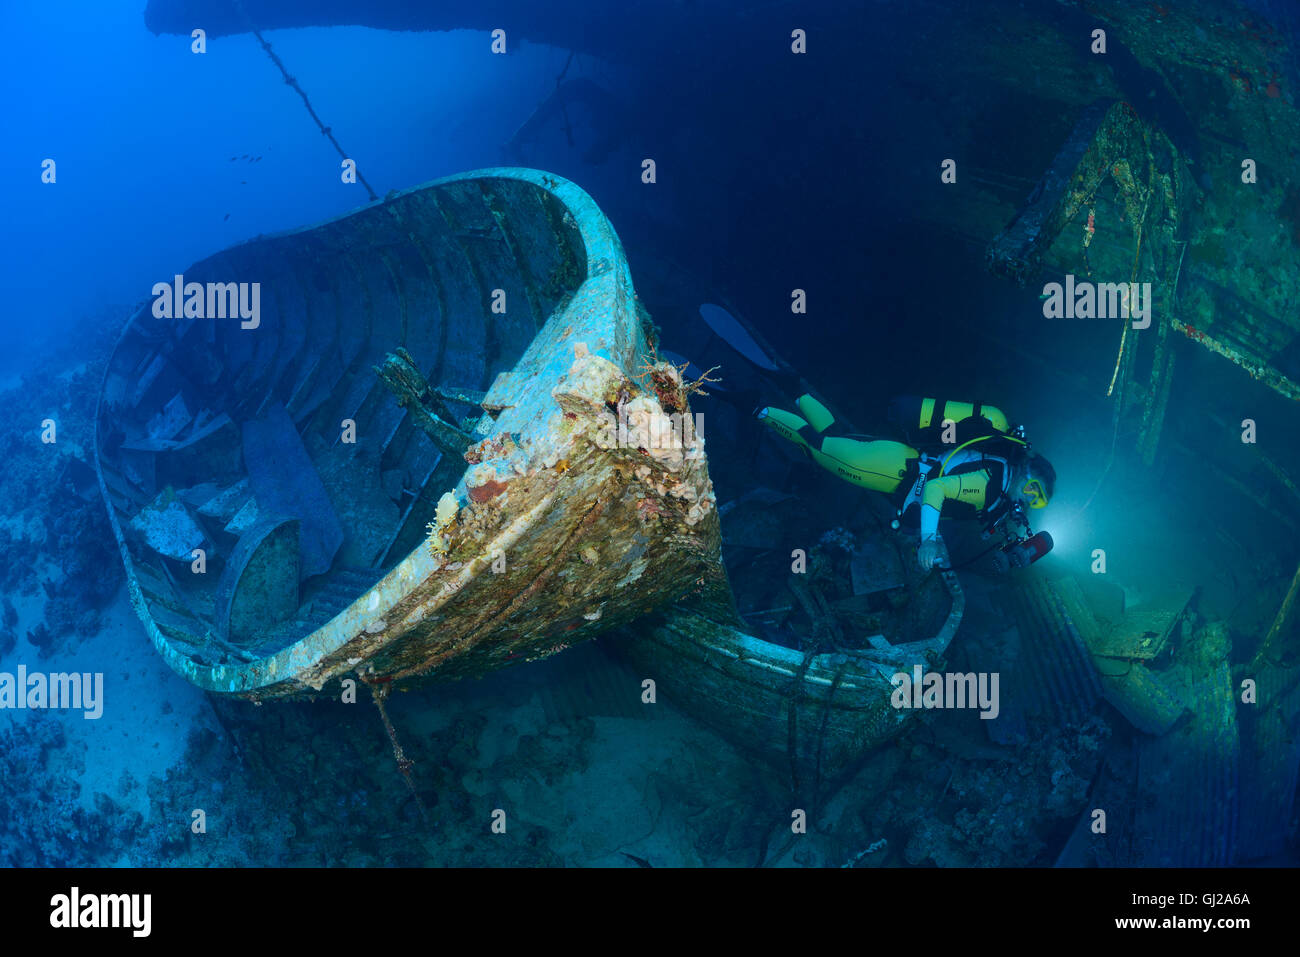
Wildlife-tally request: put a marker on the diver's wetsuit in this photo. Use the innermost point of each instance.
(964, 478)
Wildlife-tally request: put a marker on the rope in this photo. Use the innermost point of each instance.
(1137, 252)
(792, 699)
(1266, 646)
(972, 561)
(564, 109)
(821, 733)
(824, 632)
(1123, 339)
(291, 81)
(379, 692)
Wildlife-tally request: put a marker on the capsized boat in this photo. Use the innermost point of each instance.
(811, 713)
(412, 457)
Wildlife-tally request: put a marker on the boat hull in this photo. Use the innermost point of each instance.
(812, 717)
(558, 531)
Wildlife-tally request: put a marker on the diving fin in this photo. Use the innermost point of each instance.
(731, 331)
(728, 328)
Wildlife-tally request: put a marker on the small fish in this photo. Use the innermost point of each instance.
(640, 861)
(225, 217)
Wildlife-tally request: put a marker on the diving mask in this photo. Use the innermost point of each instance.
(1034, 493)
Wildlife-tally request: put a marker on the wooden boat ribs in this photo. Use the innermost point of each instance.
(286, 521)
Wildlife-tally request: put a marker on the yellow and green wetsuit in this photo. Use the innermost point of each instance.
(962, 478)
(877, 464)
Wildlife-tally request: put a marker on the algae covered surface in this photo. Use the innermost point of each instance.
(457, 540)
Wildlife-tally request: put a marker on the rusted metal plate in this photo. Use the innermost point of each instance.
(1144, 631)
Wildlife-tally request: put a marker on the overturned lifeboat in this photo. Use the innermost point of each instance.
(404, 465)
(810, 710)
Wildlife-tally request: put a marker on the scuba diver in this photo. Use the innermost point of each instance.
(968, 462)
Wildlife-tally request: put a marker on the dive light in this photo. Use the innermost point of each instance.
(1024, 553)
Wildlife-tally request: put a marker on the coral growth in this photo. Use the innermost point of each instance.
(668, 382)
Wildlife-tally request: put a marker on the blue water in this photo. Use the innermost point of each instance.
(143, 131)
(775, 172)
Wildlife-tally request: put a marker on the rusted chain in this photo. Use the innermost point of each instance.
(379, 692)
(293, 82)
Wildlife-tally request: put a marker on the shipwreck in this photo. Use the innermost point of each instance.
(445, 445)
(399, 470)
